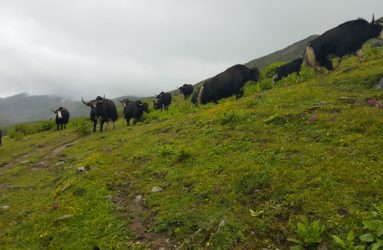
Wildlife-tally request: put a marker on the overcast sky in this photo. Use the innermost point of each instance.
(123, 47)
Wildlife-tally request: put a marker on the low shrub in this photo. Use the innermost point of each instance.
(83, 127)
(309, 234)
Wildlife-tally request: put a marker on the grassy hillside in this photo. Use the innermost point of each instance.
(237, 175)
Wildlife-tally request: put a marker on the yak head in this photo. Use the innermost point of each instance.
(181, 89)
(58, 112)
(125, 102)
(276, 77)
(255, 75)
(95, 107)
(144, 106)
(157, 102)
(377, 27)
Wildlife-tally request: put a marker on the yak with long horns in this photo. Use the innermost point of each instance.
(102, 110)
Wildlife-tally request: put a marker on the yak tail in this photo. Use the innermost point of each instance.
(309, 58)
(200, 95)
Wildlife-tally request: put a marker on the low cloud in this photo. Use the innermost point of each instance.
(89, 48)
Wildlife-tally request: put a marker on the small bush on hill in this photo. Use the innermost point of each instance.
(45, 126)
(264, 85)
(269, 71)
(309, 234)
(230, 117)
(82, 127)
(373, 53)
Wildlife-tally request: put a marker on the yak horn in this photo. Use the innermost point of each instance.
(86, 103)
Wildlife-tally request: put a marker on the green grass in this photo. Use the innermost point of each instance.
(287, 153)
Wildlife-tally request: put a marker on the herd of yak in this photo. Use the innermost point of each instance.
(345, 39)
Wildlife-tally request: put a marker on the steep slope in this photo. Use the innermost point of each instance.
(239, 174)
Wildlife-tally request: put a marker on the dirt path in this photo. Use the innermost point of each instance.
(24, 158)
(46, 159)
(134, 210)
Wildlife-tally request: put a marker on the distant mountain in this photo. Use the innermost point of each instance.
(25, 108)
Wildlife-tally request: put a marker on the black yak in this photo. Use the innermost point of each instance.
(162, 101)
(287, 69)
(186, 90)
(342, 40)
(103, 110)
(228, 83)
(62, 117)
(134, 109)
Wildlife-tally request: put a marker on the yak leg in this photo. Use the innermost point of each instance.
(114, 126)
(101, 125)
(94, 126)
(135, 121)
(127, 122)
(328, 64)
(239, 94)
(359, 54)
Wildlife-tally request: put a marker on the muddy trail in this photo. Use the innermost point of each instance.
(134, 211)
(38, 150)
